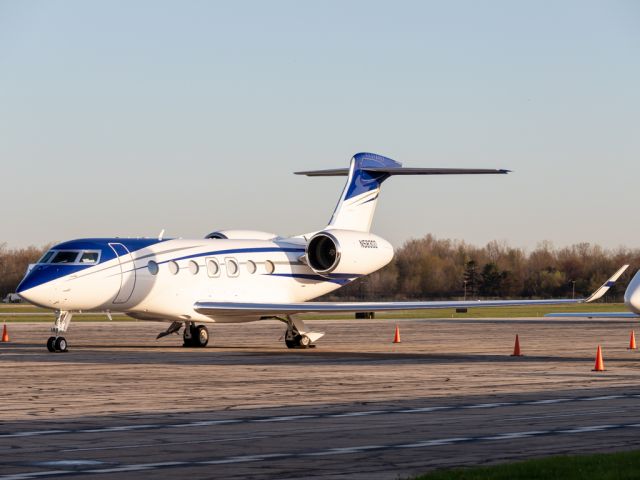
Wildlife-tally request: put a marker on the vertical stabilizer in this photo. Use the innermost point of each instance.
(360, 195)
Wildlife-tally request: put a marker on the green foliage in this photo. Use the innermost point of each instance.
(430, 268)
(13, 265)
(618, 466)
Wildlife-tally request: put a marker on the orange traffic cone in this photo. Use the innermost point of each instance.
(5, 334)
(396, 337)
(516, 348)
(632, 341)
(599, 362)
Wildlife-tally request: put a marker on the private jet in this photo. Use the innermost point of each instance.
(236, 276)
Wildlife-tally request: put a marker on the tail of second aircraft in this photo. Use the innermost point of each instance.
(365, 175)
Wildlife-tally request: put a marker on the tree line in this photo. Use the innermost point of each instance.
(13, 265)
(432, 268)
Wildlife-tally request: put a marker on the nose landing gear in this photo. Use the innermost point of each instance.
(58, 343)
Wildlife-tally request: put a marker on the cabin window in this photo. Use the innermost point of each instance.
(232, 267)
(193, 267)
(251, 266)
(213, 268)
(174, 267)
(89, 257)
(269, 267)
(66, 256)
(153, 267)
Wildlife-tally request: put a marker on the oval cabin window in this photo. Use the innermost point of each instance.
(251, 266)
(193, 267)
(269, 267)
(213, 268)
(232, 267)
(174, 267)
(153, 267)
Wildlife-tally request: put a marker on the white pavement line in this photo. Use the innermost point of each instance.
(423, 410)
(26, 476)
(605, 397)
(283, 418)
(343, 451)
(593, 428)
(490, 405)
(433, 443)
(203, 423)
(33, 433)
(288, 418)
(553, 400)
(155, 445)
(318, 453)
(357, 414)
(507, 436)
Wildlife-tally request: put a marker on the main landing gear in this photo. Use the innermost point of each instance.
(57, 343)
(297, 334)
(195, 336)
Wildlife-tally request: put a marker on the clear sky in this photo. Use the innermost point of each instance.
(121, 118)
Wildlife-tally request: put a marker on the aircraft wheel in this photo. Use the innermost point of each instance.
(304, 341)
(290, 343)
(60, 344)
(202, 336)
(51, 344)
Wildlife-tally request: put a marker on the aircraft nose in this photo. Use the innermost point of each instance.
(632, 294)
(34, 291)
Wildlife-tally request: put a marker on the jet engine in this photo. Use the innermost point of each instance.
(346, 252)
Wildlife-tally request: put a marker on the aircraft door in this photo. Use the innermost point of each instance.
(127, 273)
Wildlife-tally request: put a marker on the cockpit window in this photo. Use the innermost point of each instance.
(47, 256)
(65, 257)
(89, 257)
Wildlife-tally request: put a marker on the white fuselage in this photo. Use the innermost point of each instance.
(164, 280)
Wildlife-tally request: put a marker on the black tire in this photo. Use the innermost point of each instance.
(201, 338)
(51, 344)
(290, 343)
(61, 344)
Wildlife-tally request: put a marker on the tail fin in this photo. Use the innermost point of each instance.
(366, 173)
(360, 195)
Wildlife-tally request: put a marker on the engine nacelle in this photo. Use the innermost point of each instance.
(242, 235)
(332, 252)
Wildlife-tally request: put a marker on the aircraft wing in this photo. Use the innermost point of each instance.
(593, 315)
(272, 309)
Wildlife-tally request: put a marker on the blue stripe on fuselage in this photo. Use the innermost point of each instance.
(236, 250)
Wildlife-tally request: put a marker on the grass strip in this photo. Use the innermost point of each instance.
(601, 466)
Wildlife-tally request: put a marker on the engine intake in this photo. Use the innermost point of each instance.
(323, 252)
(347, 252)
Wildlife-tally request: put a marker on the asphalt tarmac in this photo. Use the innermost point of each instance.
(120, 404)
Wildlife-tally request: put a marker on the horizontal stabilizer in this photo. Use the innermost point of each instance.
(343, 172)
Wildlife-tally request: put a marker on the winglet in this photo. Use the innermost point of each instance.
(606, 286)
